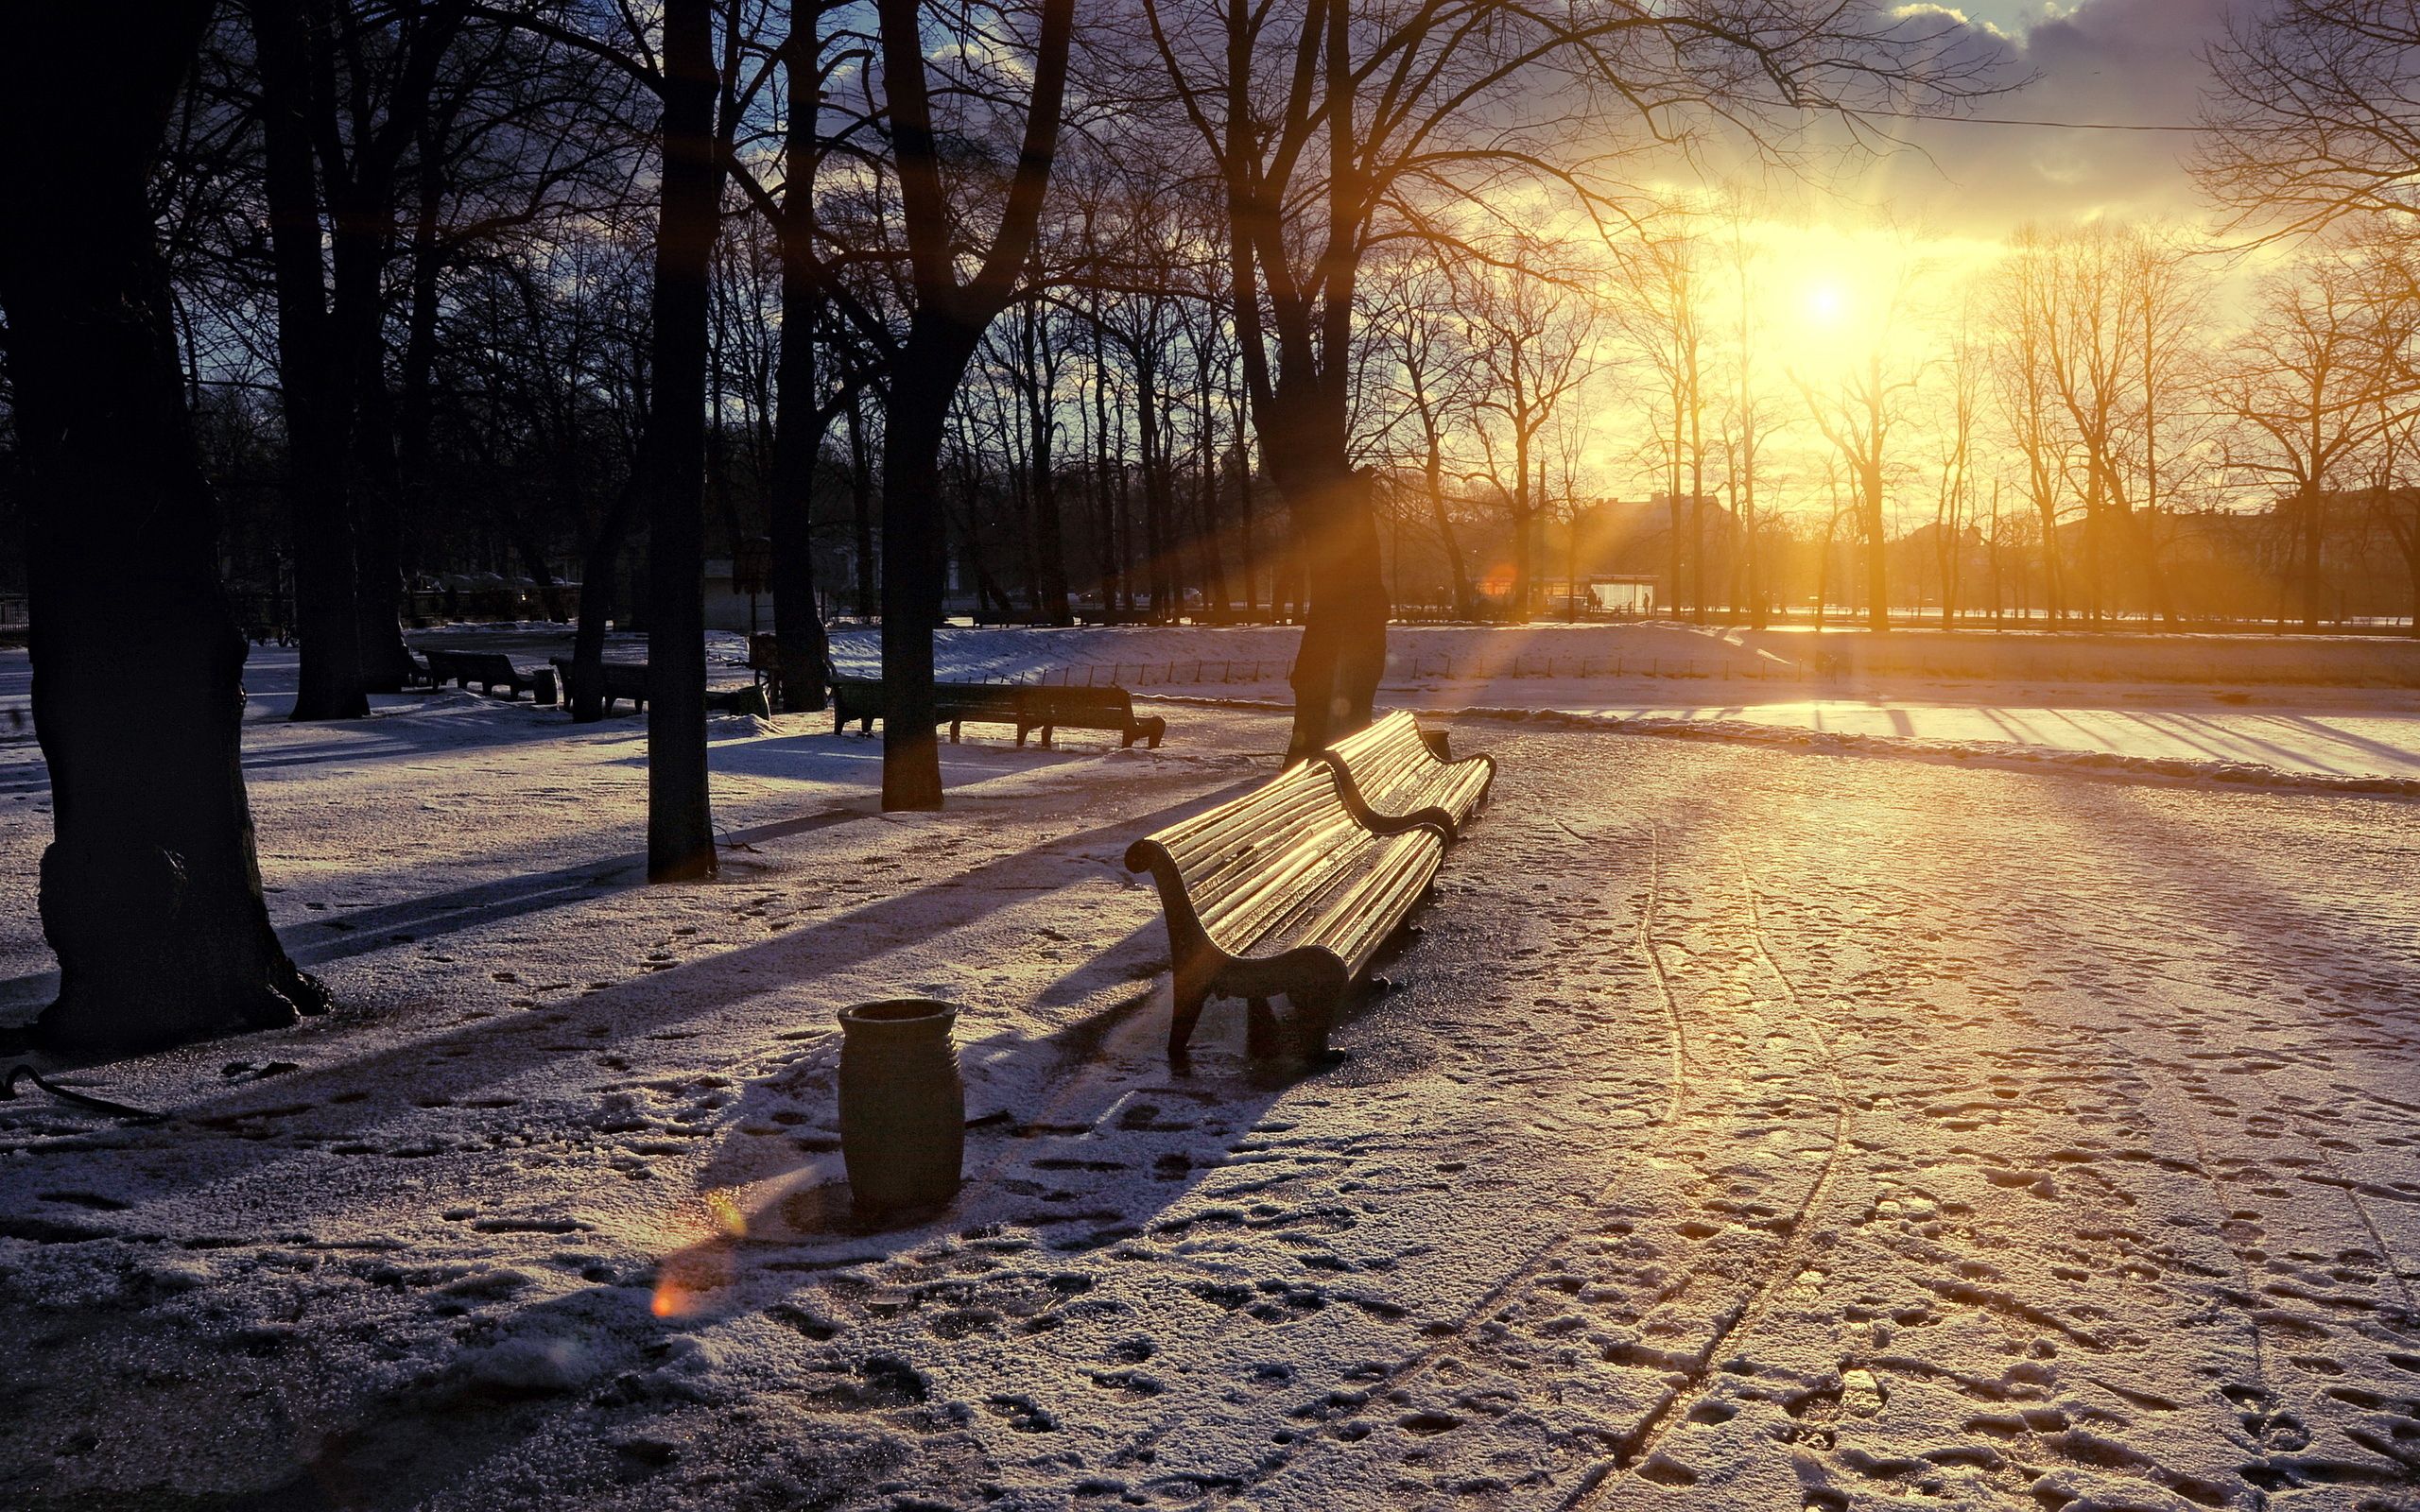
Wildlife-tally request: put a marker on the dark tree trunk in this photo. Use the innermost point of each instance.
(949, 320)
(802, 418)
(923, 380)
(313, 391)
(1342, 654)
(680, 820)
(1246, 548)
(150, 890)
(601, 570)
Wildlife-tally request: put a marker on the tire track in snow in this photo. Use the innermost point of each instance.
(1275, 1464)
(1640, 1443)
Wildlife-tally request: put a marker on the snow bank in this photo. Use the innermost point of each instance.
(1982, 753)
(1193, 655)
(2356, 661)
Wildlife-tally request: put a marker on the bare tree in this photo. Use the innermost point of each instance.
(151, 889)
(2317, 377)
(947, 321)
(2313, 118)
(2023, 303)
(1858, 412)
(1333, 127)
(1530, 325)
(1962, 367)
(1429, 365)
(1748, 421)
(1660, 306)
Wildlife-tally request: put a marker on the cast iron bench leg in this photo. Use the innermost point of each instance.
(1192, 988)
(1260, 1029)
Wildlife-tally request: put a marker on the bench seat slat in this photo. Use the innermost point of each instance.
(1282, 890)
(1390, 778)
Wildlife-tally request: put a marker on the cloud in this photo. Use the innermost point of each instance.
(2107, 60)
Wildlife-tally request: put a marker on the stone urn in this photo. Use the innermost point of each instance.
(903, 1105)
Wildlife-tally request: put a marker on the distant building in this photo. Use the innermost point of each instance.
(1622, 594)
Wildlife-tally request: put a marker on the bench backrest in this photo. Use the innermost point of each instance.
(494, 663)
(993, 697)
(621, 677)
(1385, 753)
(1050, 698)
(1242, 863)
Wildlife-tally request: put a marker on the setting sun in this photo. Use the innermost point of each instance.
(1824, 303)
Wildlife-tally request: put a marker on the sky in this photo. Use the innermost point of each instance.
(2133, 62)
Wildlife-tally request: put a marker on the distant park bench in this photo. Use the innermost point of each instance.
(860, 699)
(628, 679)
(491, 670)
(1282, 890)
(1112, 709)
(1393, 779)
(1026, 707)
(621, 680)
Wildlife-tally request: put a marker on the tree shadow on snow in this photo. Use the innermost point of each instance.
(412, 921)
(392, 1084)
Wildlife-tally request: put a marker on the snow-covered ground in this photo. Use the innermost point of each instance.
(1672, 679)
(1750, 1129)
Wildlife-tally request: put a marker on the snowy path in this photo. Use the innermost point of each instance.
(1752, 1129)
(2339, 736)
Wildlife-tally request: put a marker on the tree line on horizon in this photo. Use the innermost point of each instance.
(554, 270)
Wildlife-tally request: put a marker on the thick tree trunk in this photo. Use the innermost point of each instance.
(601, 570)
(1344, 652)
(150, 890)
(679, 820)
(314, 392)
(915, 553)
(374, 482)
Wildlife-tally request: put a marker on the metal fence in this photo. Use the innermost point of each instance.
(1226, 672)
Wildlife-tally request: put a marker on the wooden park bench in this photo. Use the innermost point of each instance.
(857, 699)
(491, 670)
(958, 703)
(1024, 705)
(622, 679)
(1112, 709)
(1282, 890)
(990, 703)
(1393, 779)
